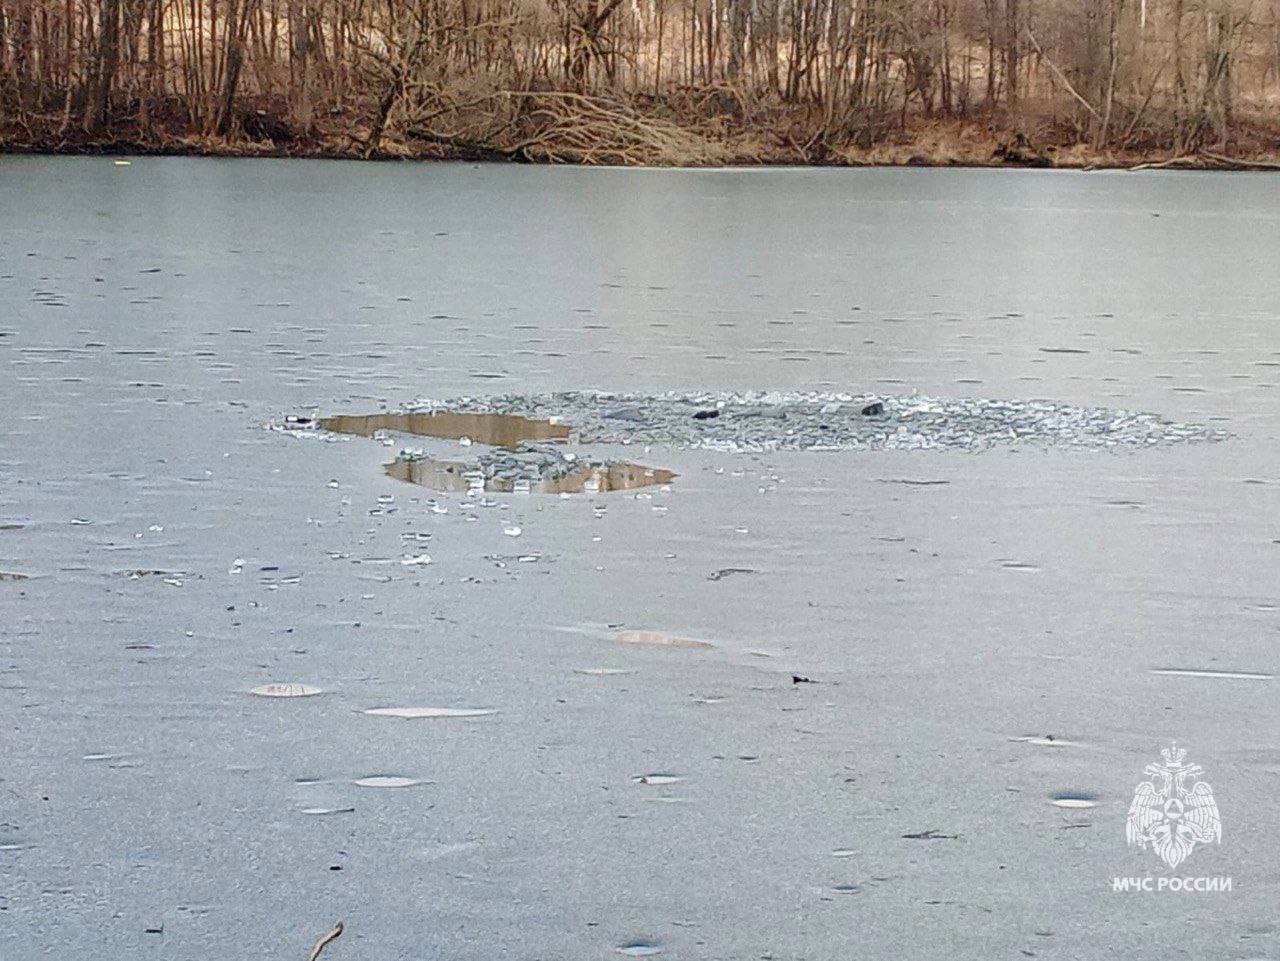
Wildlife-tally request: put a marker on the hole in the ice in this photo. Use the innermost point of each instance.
(442, 475)
(1073, 799)
(286, 689)
(659, 639)
(640, 948)
(496, 430)
(528, 455)
(386, 780)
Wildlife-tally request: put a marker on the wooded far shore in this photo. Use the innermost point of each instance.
(953, 146)
(1045, 83)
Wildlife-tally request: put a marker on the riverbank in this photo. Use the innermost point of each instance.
(978, 142)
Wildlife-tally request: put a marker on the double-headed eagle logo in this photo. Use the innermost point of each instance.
(1167, 815)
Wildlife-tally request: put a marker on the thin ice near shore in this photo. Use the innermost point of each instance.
(754, 422)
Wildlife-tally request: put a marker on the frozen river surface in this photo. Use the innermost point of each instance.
(985, 633)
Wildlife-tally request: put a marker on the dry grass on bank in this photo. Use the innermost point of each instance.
(686, 129)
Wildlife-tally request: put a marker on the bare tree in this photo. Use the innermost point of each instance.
(815, 76)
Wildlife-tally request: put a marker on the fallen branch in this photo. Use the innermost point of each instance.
(1061, 76)
(580, 128)
(1206, 160)
(465, 145)
(1180, 161)
(1241, 164)
(315, 952)
(1151, 92)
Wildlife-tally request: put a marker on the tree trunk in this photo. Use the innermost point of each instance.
(300, 66)
(1011, 56)
(739, 13)
(104, 69)
(226, 106)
